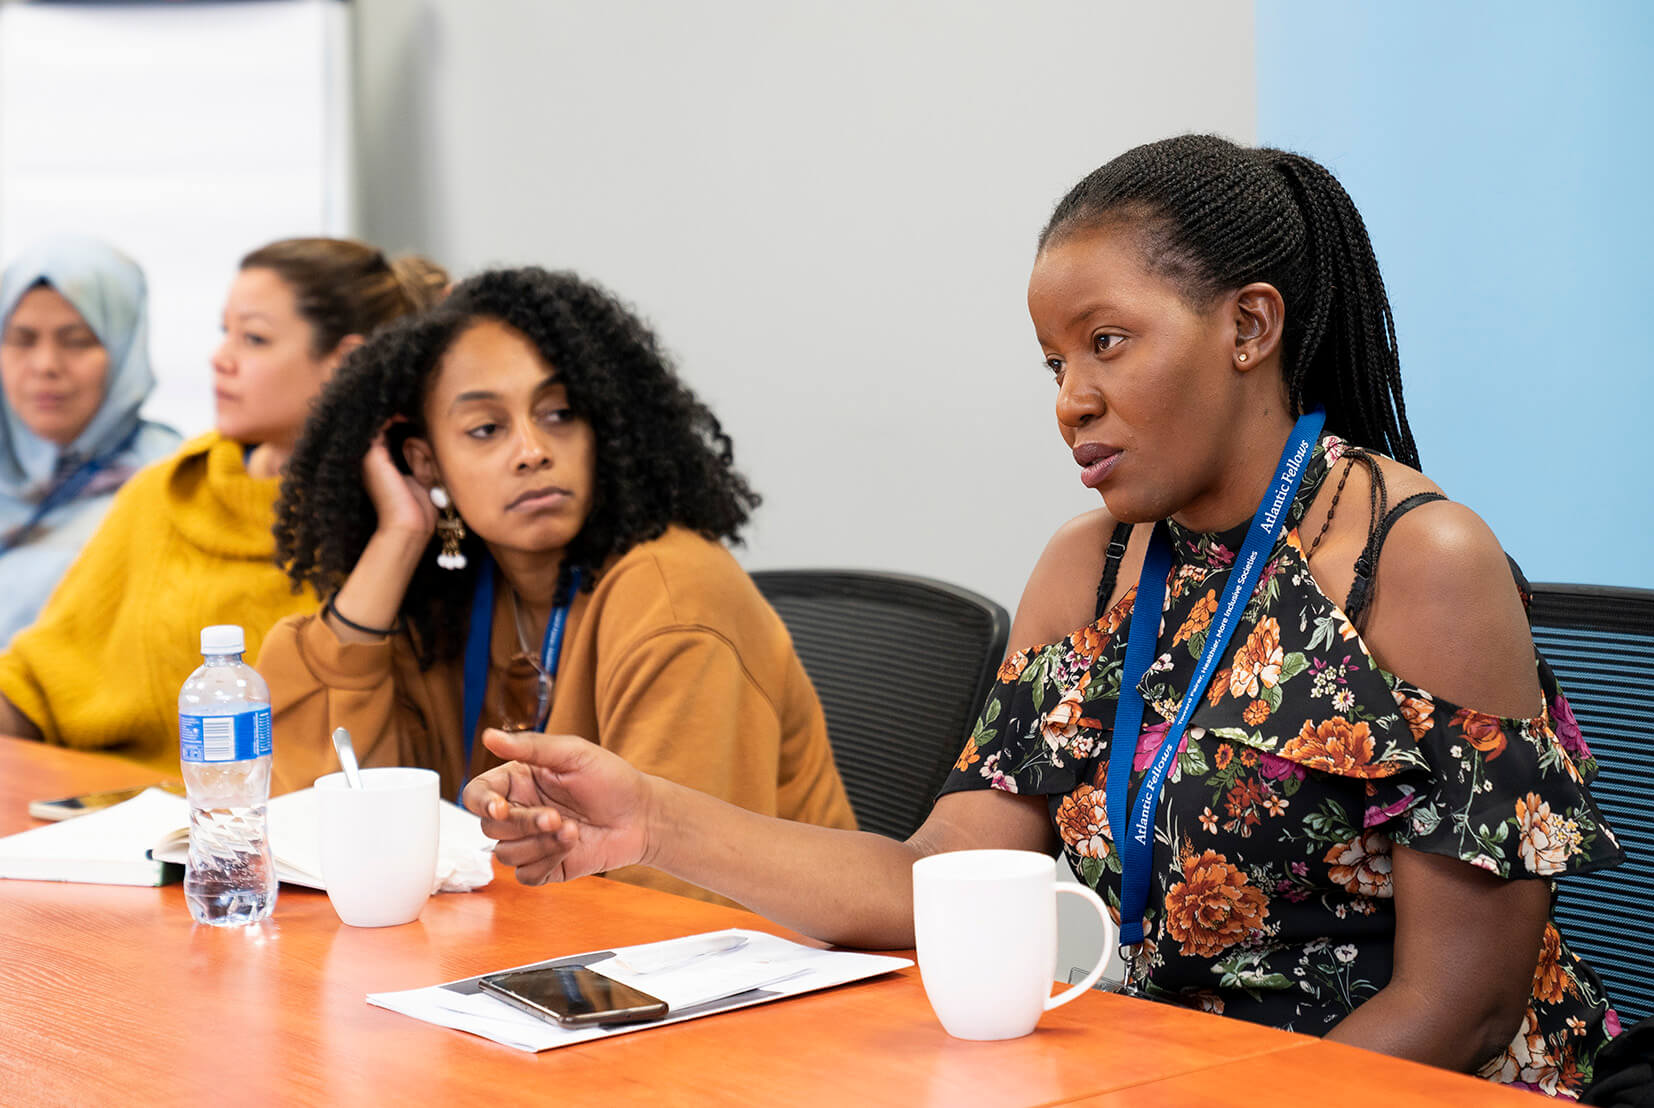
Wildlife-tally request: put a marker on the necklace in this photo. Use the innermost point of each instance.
(517, 622)
(543, 679)
(476, 649)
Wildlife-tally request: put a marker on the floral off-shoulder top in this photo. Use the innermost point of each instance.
(1271, 896)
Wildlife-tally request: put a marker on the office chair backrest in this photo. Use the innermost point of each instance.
(901, 665)
(1600, 643)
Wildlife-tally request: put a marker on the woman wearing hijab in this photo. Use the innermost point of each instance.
(74, 361)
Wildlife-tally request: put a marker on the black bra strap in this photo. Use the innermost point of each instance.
(1366, 566)
(1523, 589)
(1400, 510)
(1111, 566)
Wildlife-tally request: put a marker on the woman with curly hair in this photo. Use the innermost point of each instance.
(186, 542)
(516, 511)
(1275, 698)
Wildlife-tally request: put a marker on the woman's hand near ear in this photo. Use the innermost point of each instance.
(371, 596)
(402, 503)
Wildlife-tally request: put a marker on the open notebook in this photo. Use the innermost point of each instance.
(145, 841)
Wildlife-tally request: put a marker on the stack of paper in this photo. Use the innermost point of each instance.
(697, 975)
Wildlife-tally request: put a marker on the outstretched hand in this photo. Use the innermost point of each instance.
(561, 807)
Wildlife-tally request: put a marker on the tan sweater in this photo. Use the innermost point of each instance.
(674, 661)
(186, 543)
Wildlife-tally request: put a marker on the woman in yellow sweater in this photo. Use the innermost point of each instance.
(187, 540)
(515, 509)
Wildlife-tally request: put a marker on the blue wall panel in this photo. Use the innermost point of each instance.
(1502, 156)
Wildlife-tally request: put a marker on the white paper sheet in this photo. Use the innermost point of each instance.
(697, 975)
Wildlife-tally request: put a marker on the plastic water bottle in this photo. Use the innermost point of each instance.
(224, 732)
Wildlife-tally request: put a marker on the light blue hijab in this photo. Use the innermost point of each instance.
(108, 290)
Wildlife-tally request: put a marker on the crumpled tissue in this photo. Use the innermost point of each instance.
(464, 856)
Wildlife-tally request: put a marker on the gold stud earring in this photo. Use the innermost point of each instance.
(1240, 357)
(450, 527)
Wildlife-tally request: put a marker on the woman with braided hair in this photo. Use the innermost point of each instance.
(1323, 789)
(516, 511)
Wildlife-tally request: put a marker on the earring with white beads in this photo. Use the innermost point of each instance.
(450, 527)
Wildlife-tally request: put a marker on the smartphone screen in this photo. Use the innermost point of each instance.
(90, 802)
(574, 996)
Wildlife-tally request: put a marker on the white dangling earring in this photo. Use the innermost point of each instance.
(450, 527)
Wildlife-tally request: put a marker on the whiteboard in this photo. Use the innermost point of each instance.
(185, 135)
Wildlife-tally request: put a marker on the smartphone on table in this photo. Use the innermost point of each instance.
(573, 996)
(69, 806)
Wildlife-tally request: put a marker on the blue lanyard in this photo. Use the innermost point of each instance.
(1135, 840)
(66, 490)
(477, 642)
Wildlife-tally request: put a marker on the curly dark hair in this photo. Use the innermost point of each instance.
(661, 456)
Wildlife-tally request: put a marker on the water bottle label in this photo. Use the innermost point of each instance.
(232, 738)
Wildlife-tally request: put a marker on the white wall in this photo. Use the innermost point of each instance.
(827, 210)
(185, 135)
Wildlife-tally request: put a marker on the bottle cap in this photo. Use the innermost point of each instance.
(222, 638)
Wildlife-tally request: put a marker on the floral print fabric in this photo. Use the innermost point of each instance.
(1270, 895)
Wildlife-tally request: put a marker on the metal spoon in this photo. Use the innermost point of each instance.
(347, 757)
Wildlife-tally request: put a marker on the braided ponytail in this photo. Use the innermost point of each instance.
(1213, 216)
(1359, 372)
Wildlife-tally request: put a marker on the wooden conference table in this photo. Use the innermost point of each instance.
(112, 995)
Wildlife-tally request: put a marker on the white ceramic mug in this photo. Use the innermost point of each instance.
(379, 844)
(985, 924)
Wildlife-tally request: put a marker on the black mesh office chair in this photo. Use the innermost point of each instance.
(901, 665)
(1600, 642)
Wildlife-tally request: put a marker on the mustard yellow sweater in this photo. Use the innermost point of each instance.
(186, 543)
